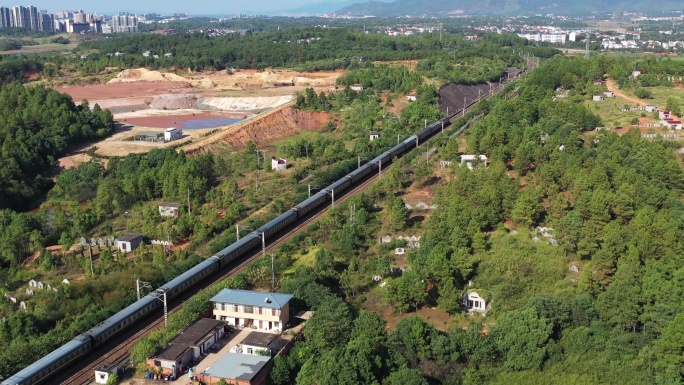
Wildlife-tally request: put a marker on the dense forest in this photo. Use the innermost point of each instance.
(615, 206)
(37, 125)
(307, 49)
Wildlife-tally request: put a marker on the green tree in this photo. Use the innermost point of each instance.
(330, 325)
(405, 376)
(523, 337)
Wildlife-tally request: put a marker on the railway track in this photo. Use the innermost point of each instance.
(122, 350)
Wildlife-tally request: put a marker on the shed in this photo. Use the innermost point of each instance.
(664, 114)
(474, 302)
(129, 242)
(241, 369)
(278, 164)
(411, 97)
(256, 342)
(651, 108)
(374, 135)
(168, 209)
(106, 369)
(356, 87)
(609, 94)
(597, 98)
(189, 345)
(173, 134)
(468, 160)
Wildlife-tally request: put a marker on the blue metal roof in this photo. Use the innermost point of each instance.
(236, 366)
(254, 298)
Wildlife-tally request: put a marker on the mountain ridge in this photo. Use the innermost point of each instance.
(500, 7)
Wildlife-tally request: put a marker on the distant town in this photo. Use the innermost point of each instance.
(72, 21)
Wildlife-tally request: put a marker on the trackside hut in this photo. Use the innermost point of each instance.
(189, 346)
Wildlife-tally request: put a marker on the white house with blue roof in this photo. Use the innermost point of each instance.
(253, 309)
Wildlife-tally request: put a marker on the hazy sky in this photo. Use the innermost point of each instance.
(225, 7)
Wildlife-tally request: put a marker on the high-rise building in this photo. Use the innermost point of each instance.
(21, 17)
(124, 23)
(5, 18)
(80, 18)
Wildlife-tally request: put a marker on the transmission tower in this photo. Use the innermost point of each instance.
(586, 47)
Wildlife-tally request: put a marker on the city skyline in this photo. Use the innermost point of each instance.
(170, 6)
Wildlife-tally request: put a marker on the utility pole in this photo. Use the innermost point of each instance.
(141, 285)
(90, 253)
(166, 311)
(189, 208)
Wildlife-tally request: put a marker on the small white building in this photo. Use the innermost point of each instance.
(475, 303)
(374, 135)
(411, 97)
(356, 87)
(172, 134)
(664, 114)
(278, 164)
(651, 108)
(167, 209)
(609, 94)
(468, 160)
(106, 369)
(257, 342)
(597, 98)
(129, 242)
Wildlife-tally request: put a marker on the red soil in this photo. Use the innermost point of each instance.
(125, 90)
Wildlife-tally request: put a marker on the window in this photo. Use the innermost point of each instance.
(477, 304)
(259, 310)
(250, 351)
(235, 308)
(274, 312)
(249, 309)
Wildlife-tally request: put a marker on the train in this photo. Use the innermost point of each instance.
(85, 343)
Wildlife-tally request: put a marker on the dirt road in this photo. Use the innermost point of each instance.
(610, 83)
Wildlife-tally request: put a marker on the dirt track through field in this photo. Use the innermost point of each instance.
(610, 83)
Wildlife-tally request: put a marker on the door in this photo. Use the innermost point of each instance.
(261, 324)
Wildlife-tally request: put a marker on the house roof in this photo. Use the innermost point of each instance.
(481, 293)
(259, 339)
(236, 366)
(192, 336)
(168, 204)
(375, 132)
(128, 237)
(253, 298)
(465, 158)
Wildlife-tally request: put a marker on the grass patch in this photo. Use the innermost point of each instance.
(306, 259)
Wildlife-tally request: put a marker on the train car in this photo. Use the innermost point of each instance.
(362, 172)
(39, 371)
(238, 248)
(279, 223)
(124, 318)
(339, 186)
(311, 203)
(190, 277)
(382, 159)
(397, 150)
